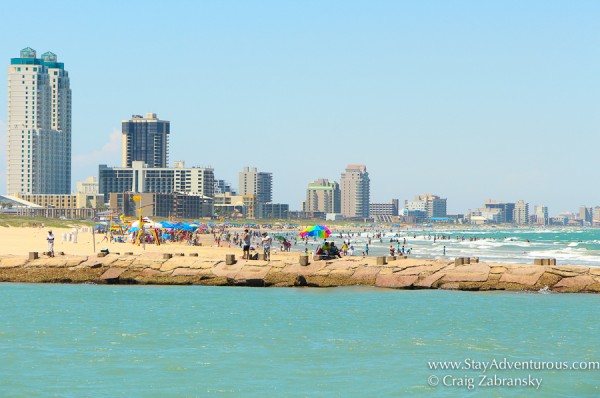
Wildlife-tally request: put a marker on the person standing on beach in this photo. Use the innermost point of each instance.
(266, 242)
(246, 240)
(50, 239)
(367, 249)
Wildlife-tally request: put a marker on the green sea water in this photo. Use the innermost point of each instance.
(145, 341)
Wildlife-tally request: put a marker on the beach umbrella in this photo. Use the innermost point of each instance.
(186, 227)
(280, 238)
(318, 231)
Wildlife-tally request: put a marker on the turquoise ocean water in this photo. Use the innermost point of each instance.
(158, 341)
(580, 246)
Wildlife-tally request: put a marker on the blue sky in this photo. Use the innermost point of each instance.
(469, 100)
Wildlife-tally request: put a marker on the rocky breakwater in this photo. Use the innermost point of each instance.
(159, 268)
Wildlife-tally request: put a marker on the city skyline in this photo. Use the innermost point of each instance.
(466, 100)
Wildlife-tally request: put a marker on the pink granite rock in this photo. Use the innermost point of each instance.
(149, 272)
(419, 269)
(298, 269)
(468, 273)
(112, 273)
(395, 280)
(252, 272)
(430, 279)
(366, 274)
(227, 271)
(578, 282)
(523, 276)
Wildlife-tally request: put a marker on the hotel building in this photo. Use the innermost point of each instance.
(521, 213)
(259, 184)
(39, 125)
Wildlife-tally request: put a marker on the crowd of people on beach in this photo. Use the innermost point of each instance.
(286, 240)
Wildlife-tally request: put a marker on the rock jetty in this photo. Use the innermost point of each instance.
(401, 273)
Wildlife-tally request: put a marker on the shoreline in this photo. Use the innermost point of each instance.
(285, 271)
(206, 265)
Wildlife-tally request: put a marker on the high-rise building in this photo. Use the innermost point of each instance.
(259, 184)
(355, 187)
(323, 196)
(146, 139)
(434, 205)
(39, 125)
(521, 213)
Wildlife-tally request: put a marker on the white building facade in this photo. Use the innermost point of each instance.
(356, 195)
(141, 178)
(39, 125)
(259, 184)
(521, 213)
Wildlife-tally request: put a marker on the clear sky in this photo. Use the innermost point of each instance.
(469, 100)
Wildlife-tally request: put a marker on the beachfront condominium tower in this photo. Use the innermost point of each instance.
(39, 125)
(146, 139)
(259, 184)
(521, 213)
(324, 196)
(355, 187)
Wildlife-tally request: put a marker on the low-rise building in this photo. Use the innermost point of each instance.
(67, 201)
(384, 209)
(227, 205)
(157, 204)
(433, 205)
(89, 186)
(270, 211)
(141, 178)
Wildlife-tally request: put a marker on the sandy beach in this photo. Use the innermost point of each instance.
(22, 240)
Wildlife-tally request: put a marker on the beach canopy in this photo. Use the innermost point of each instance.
(318, 231)
(147, 224)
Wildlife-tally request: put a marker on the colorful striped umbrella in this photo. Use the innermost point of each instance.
(319, 231)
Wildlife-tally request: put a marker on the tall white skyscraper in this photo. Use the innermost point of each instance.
(521, 213)
(355, 187)
(259, 184)
(39, 125)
